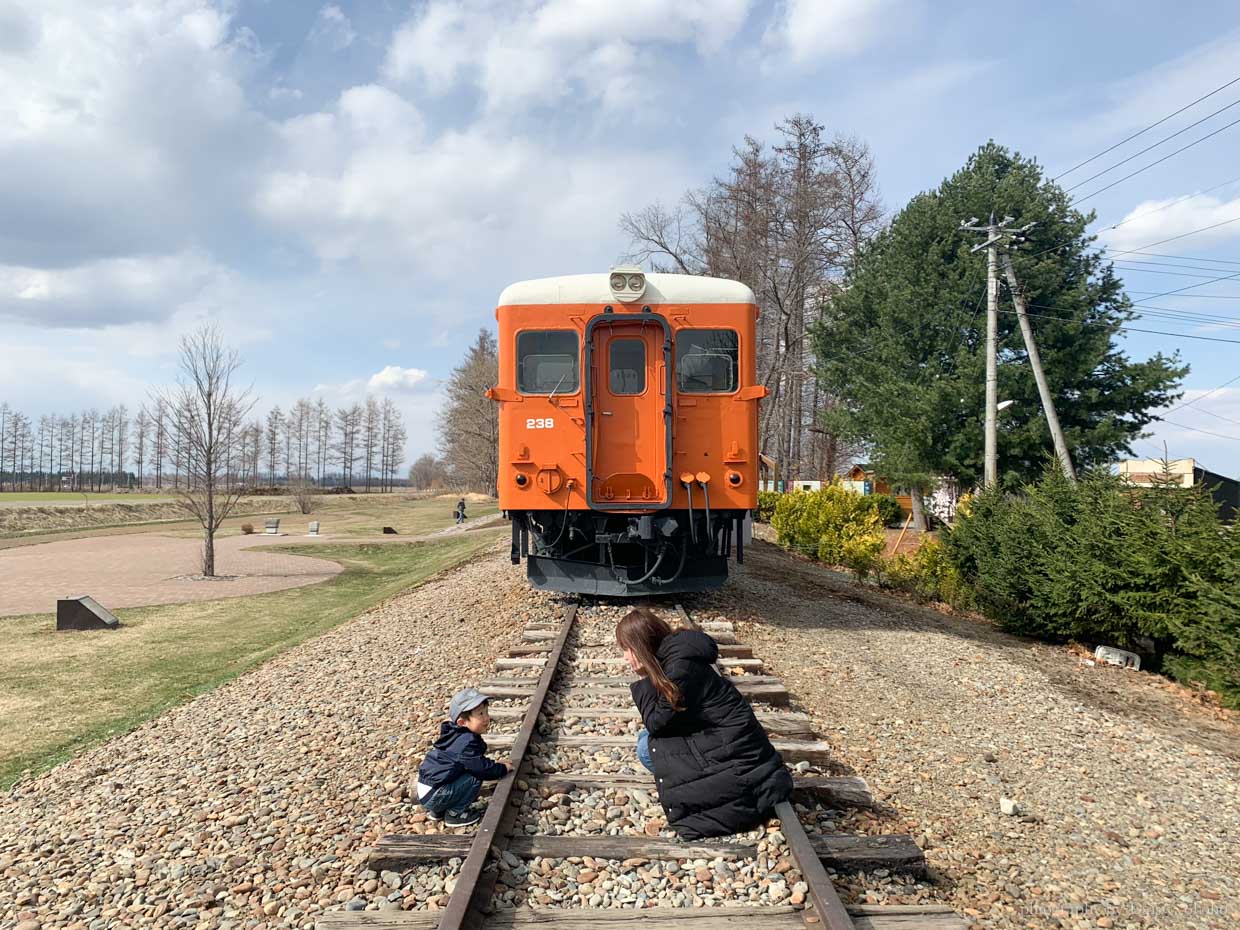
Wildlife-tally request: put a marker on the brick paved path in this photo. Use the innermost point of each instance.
(131, 571)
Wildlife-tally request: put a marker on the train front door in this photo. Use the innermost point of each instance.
(629, 413)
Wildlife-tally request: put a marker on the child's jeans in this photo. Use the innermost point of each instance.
(643, 750)
(454, 796)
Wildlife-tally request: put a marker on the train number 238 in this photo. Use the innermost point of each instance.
(540, 423)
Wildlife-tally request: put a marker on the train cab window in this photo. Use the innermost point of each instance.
(626, 365)
(706, 361)
(547, 362)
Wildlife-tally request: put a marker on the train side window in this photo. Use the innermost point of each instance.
(547, 362)
(706, 361)
(626, 366)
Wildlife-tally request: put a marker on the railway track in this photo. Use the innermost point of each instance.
(576, 839)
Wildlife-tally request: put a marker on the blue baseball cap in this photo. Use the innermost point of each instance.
(464, 701)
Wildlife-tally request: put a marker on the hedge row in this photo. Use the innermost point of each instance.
(888, 508)
(833, 525)
(1153, 570)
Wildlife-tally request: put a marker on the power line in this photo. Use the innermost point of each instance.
(1137, 261)
(1155, 163)
(1148, 128)
(1174, 274)
(1189, 403)
(1178, 132)
(1194, 296)
(1189, 287)
(1199, 315)
(1219, 416)
(1168, 206)
(1125, 327)
(1196, 430)
(1186, 258)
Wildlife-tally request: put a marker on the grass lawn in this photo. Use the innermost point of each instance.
(61, 692)
(367, 515)
(340, 515)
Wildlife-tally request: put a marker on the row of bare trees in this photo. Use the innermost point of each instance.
(789, 220)
(97, 451)
(90, 449)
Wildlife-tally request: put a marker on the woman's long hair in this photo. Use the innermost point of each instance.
(642, 632)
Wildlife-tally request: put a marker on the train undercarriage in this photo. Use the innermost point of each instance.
(625, 554)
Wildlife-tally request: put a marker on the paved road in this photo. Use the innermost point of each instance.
(147, 568)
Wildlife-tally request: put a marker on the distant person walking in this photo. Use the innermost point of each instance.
(460, 511)
(715, 768)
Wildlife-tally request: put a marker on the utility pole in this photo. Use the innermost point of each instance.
(998, 234)
(993, 230)
(1035, 361)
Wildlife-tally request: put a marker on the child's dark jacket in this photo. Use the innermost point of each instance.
(456, 752)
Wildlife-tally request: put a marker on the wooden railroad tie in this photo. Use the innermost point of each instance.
(529, 649)
(779, 723)
(834, 790)
(764, 688)
(839, 851)
(793, 750)
(864, 917)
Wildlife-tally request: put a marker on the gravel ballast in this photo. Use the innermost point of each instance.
(253, 806)
(1125, 793)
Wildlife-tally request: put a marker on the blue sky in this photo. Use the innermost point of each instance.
(347, 187)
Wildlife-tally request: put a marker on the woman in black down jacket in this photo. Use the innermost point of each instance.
(716, 770)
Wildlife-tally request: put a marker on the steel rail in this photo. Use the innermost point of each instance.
(828, 909)
(496, 824)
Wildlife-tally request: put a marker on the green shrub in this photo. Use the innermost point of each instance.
(766, 505)
(889, 509)
(1106, 563)
(833, 525)
(929, 574)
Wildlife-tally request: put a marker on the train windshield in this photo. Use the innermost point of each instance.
(547, 362)
(706, 361)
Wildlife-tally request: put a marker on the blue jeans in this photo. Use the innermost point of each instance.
(643, 750)
(454, 796)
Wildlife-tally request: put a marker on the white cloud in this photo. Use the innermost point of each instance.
(536, 53)
(363, 182)
(109, 292)
(813, 31)
(333, 28)
(395, 378)
(1154, 220)
(112, 122)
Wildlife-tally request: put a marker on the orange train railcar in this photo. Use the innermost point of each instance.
(628, 429)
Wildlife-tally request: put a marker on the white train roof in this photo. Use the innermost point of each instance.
(596, 289)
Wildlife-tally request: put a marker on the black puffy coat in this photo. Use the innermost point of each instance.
(716, 770)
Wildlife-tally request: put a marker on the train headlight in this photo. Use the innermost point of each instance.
(627, 283)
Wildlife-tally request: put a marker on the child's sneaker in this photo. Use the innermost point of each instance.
(434, 816)
(462, 818)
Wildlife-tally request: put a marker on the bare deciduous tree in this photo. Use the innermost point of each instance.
(427, 472)
(468, 423)
(788, 221)
(206, 408)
